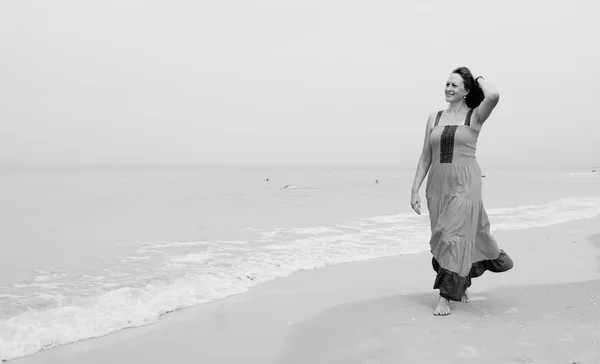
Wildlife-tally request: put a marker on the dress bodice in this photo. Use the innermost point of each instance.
(450, 143)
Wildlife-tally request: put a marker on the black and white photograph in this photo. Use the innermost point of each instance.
(299, 182)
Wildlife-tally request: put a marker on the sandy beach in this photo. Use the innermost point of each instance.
(545, 310)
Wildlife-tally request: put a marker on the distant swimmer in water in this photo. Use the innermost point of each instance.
(376, 181)
(267, 179)
(288, 186)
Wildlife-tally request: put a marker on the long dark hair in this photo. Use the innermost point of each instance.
(475, 95)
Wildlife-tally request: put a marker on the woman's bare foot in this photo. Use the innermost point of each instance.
(465, 297)
(443, 307)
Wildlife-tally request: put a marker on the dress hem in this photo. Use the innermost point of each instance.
(452, 286)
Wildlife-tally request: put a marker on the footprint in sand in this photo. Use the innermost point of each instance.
(468, 352)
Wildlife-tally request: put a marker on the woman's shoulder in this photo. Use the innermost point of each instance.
(431, 120)
(433, 116)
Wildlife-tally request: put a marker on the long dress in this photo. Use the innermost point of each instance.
(461, 243)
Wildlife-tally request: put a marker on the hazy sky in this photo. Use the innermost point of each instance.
(276, 81)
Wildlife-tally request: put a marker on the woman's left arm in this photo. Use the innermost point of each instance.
(491, 98)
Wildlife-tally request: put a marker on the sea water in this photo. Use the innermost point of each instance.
(86, 252)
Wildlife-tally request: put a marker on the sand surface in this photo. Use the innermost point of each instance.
(545, 310)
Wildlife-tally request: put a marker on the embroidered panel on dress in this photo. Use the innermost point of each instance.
(447, 143)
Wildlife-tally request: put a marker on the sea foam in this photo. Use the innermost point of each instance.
(154, 279)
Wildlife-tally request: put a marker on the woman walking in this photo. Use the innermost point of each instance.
(461, 243)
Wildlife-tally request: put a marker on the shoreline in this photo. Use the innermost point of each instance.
(256, 323)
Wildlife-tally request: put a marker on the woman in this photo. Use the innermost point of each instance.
(461, 243)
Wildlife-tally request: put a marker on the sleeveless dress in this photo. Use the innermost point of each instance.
(461, 243)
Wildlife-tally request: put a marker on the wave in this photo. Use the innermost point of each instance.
(154, 279)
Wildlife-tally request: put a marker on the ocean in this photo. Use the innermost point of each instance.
(87, 252)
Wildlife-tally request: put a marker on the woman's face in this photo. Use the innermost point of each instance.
(455, 88)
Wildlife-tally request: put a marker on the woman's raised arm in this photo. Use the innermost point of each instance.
(491, 98)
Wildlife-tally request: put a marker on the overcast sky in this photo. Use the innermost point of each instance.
(277, 81)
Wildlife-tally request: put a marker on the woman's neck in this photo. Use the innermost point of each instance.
(456, 108)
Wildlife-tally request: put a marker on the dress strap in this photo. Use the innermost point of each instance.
(468, 118)
(437, 118)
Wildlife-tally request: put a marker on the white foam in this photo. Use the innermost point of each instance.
(316, 230)
(38, 285)
(191, 258)
(49, 277)
(139, 291)
(555, 212)
(133, 259)
(178, 244)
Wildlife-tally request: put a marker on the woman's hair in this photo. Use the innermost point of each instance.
(475, 95)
